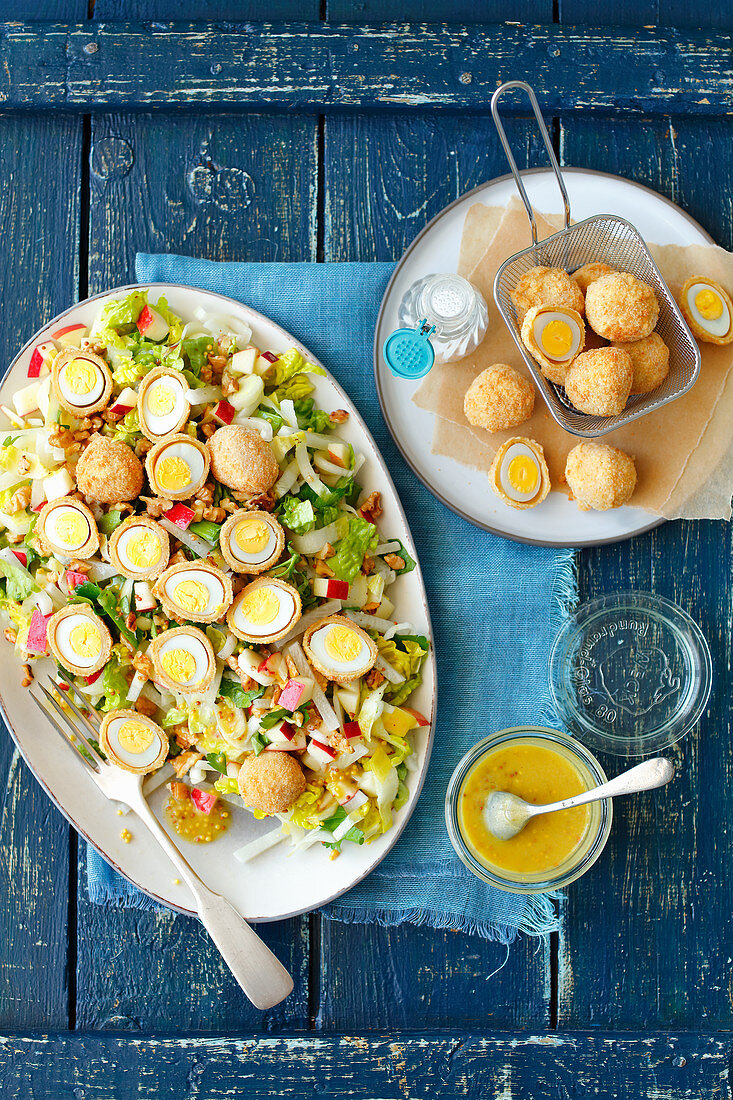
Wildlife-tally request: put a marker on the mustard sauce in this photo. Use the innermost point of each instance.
(193, 826)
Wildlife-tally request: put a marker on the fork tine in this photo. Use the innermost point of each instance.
(64, 736)
(75, 729)
(84, 702)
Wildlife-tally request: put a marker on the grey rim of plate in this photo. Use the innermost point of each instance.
(378, 350)
(630, 674)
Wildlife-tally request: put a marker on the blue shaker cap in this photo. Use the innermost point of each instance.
(408, 352)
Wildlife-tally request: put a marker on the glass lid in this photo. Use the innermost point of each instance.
(630, 674)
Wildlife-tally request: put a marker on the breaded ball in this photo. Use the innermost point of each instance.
(271, 782)
(242, 460)
(109, 471)
(599, 381)
(546, 286)
(498, 398)
(650, 361)
(621, 307)
(600, 476)
(588, 274)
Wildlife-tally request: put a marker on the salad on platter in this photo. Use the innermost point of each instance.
(185, 532)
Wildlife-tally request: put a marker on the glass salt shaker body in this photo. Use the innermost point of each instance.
(454, 306)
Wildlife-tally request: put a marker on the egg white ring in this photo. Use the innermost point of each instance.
(131, 532)
(285, 614)
(135, 760)
(62, 639)
(193, 459)
(512, 452)
(317, 645)
(256, 558)
(542, 320)
(50, 527)
(81, 400)
(197, 650)
(719, 327)
(215, 599)
(162, 425)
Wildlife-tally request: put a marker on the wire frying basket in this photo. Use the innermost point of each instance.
(604, 238)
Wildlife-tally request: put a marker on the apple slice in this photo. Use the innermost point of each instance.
(323, 753)
(93, 677)
(243, 362)
(352, 729)
(71, 336)
(357, 800)
(26, 399)
(224, 413)
(58, 484)
(22, 557)
(37, 641)
(348, 697)
(124, 403)
(264, 362)
(297, 691)
(152, 325)
(204, 801)
(331, 588)
(419, 718)
(144, 598)
(340, 454)
(41, 359)
(74, 579)
(181, 516)
(283, 732)
(295, 744)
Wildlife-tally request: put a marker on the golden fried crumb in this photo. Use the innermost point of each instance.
(271, 782)
(242, 460)
(621, 307)
(588, 274)
(650, 362)
(546, 286)
(109, 471)
(498, 398)
(599, 381)
(600, 476)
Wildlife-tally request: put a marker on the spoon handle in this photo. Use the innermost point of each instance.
(643, 777)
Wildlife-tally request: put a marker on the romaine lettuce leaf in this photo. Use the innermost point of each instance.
(406, 657)
(18, 585)
(360, 539)
(297, 515)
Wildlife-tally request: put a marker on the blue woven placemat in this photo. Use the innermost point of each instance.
(496, 607)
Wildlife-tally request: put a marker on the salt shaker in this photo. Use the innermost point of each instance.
(454, 307)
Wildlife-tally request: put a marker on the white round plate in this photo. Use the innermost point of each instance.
(279, 883)
(557, 521)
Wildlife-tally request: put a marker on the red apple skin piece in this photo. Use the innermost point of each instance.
(291, 695)
(123, 405)
(419, 718)
(180, 515)
(204, 801)
(38, 360)
(22, 557)
(74, 579)
(94, 676)
(338, 590)
(339, 456)
(352, 729)
(324, 748)
(269, 356)
(69, 336)
(38, 507)
(37, 639)
(152, 325)
(224, 412)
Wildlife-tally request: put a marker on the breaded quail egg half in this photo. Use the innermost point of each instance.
(162, 404)
(519, 474)
(339, 649)
(554, 337)
(708, 310)
(264, 611)
(183, 659)
(195, 591)
(133, 741)
(81, 381)
(251, 541)
(139, 548)
(177, 467)
(66, 526)
(78, 639)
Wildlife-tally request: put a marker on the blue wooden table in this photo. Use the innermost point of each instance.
(337, 137)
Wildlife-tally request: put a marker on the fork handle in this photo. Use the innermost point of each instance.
(258, 972)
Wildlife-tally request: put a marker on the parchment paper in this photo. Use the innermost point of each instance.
(683, 452)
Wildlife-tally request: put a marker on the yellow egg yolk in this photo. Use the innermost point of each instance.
(80, 376)
(251, 535)
(144, 550)
(709, 304)
(261, 605)
(135, 737)
(523, 474)
(191, 595)
(173, 473)
(179, 665)
(85, 640)
(557, 338)
(342, 644)
(161, 400)
(71, 529)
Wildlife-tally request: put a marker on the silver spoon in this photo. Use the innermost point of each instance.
(505, 814)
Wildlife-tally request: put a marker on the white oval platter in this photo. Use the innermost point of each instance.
(557, 521)
(279, 883)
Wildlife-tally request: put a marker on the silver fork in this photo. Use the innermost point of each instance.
(262, 977)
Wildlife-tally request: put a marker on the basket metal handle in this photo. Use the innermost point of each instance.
(520, 84)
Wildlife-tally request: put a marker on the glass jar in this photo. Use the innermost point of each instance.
(454, 306)
(599, 821)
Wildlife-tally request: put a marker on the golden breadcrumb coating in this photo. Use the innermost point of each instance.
(696, 328)
(553, 369)
(599, 381)
(498, 398)
(600, 476)
(319, 666)
(495, 473)
(271, 782)
(650, 361)
(621, 307)
(242, 460)
(546, 286)
(88, 548)
(109, 471)
(133, 716)
(63, 359)
(588, 274)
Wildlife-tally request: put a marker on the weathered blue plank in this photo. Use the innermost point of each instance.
(610, 1066)
(434, 11)
(384, 178)
(39, 212)
(322, 66)
(647, 937)
(35, 11)
(225, 188)
(202, 11)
